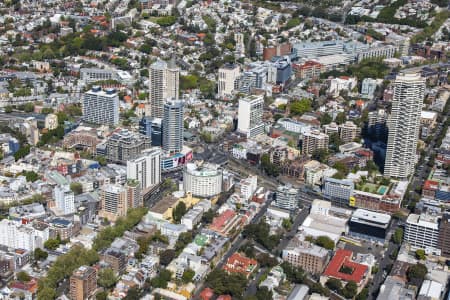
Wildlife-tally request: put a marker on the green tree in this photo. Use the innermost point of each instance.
(188, 274)
(263, 293)
(76, 188)
(320, 155)
(420, 254)
(166, 256)
(287, 224)
(101, 160)
(29, 107)
(103, 295)
(40, 254)
(363, 295)
(350, 289)
(397, 237)
(224, 283)
(334, 284)
(8, 109)
(132, 294)
(341, 118)
(106, 278)
(31, 176)
(325, 119)
(23, 276)
(179, 212)
(325, 242)
(51, 244)
(162, 279)
(300, 107)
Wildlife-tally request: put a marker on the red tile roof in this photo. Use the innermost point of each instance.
(343, 258)
(220, 221)
(431, 185)
(206, 294)
(238, 263)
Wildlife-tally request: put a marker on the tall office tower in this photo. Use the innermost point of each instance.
(83, 283)
(250, 114)
(64, 199)
(101, 107)
(114, 202)
(404, 125)
(444, 235)
(146, 168)
(227, 83)
(173, 126)
(152, 127)
(164, 81)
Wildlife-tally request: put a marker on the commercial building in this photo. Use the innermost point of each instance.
(202, 181)
(313, 140)
(369, 225)
(341, 260)
(124, 145)
(444, 235)
(250, 115)
(395, 288)
(173, 126)
(380, 50)
(338, 191)
(146, 168)
(164, 81)
(404, 125)
(23, 236)
(64, 199)
(306, 255)
(286, 197)
(83, 283)
(91, 75)
(228, 80)
(114, 201)
(368, 88)
(51, 121)
(151, 127)
(134, 194)
(422, 232)
(101, 107)
(116, 259)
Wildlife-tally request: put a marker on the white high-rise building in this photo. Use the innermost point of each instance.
(404, 125)
(19, 236)
(64, 199)
(202, 181)
(146, 168)
(286, 197)
(422, 232)
(250, 115)
(227, 83)
(164, 81)
(173, 126)
(101, 107)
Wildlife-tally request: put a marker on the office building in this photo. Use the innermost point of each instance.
(116, 260)
(202, 181)
(338, 191)
(377, 124)
(444, 235)
(227, 82)
(286, 197)
(404, 125)
(379, 50)
(349, 131)
(91, 75)
(280, 71)
(64, 199)
(146, 168)
(422, 232)
(101, 107)
(368, 88)
(164, 84)
(305, 255)
(255, 78)
(23, 236)
(314, 140)
(113, 201)
(83, 283)
(51, 121)
(369, 225)
(173, 126)
(151, 127)
(250, 115)
(124, 145)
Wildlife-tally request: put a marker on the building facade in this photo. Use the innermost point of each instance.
(306, 255)
(146, 168)
(227, 82)
(173, 127)
(64, 199)
(422, 232)
(114, 201)
(286, 197)
(83, 283)
(164, 81)
(314, 140)
(101, 107)
(404, 125)
(204, 181)
(124, 145)
(250, 115)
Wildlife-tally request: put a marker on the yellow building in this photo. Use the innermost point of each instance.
(164, 208)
